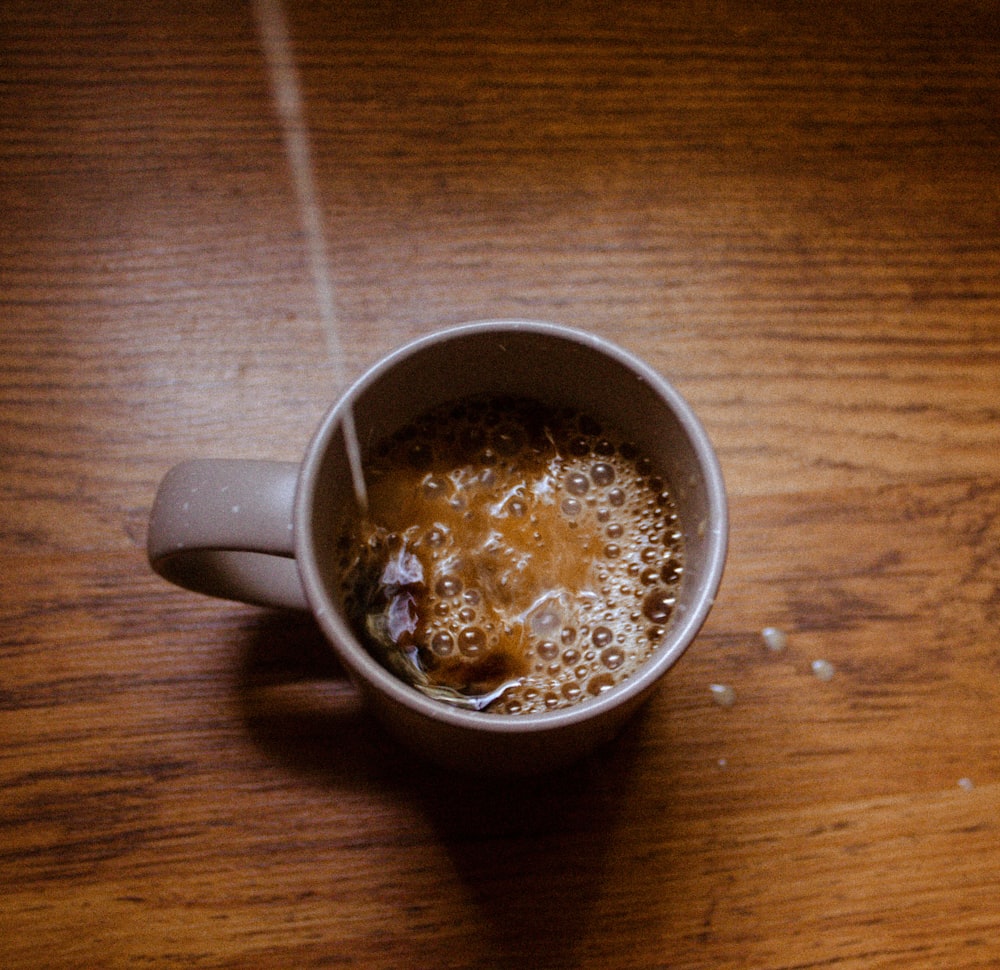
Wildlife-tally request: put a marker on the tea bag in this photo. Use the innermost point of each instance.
(392, 618)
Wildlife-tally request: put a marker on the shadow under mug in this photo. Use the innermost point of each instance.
(266, 532)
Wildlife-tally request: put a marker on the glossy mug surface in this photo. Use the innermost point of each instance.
(271, 533)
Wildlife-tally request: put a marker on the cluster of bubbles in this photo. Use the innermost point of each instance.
(521, 546)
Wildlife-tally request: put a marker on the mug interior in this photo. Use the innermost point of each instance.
(561, 368)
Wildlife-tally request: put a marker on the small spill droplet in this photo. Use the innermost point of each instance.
(966, 784)
(723, 695)
(774, 639)
(723, 763)
(822, 669)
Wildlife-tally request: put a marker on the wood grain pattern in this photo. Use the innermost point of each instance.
(792, 210)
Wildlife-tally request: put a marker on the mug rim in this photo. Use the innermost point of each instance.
(359, 661)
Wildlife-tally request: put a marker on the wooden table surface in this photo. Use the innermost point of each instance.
(792, 210)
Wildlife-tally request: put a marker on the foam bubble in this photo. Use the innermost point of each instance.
(649, 576)
(442, 643)
(658, 606)
(599, 683)
(572, 507)
(448, 586)
(601, 636)
(472, 641)
(671, 571)
(571, 691)
(602, 473)
(577, 483)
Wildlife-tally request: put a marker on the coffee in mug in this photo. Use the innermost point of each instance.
(516, 558)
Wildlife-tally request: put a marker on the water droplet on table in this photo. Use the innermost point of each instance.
(774, 639)
(723, 695)
(822, 669)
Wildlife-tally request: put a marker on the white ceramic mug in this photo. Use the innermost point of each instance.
(261, 532)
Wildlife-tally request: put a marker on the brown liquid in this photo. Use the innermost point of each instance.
(508, 543)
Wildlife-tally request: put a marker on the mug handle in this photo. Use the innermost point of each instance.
(224, 527)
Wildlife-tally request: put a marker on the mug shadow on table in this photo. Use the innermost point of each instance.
(533, 853)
